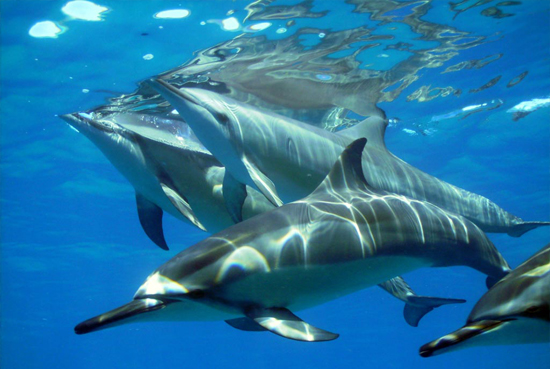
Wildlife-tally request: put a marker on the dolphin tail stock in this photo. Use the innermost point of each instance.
(415, 306)
(282, 322)
(119, 315)
(522, 227)
(455, 340)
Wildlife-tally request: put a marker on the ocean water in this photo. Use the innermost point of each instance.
(467, 88)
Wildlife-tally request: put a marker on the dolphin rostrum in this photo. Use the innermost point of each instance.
(151, 151)
(286, 159)
(516, 310)
(343, 237)
(168, 167)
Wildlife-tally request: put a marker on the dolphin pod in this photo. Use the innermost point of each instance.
(516, 310)
(345, 236)
(286, 159)
(167, 166)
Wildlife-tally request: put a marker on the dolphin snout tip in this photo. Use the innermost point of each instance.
(425, 352)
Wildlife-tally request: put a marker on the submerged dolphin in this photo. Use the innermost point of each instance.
(344, 237)
(516, 310)
(151, 151)
(286, 159)
(168, 167)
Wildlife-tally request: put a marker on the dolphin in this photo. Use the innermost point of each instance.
(151, 151)
(516, 310)
(168, 167)
(286, 159)
(343, 237)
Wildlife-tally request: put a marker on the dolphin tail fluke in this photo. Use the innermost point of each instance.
(455, 341)
(418, 306)
(150, 217)
(415, 306)
(523, 227)
(284, 323)
(119, 315)
(234, 195)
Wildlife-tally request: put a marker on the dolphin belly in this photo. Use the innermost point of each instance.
(302, 287)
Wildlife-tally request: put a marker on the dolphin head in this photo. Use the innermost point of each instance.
(114, 140)
(101, 132)
(183, 289)
(211, 116)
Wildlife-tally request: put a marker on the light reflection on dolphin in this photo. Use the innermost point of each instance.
(516, 310)
(344, 237)
(151, 151)
(168, 167)
(286, 159)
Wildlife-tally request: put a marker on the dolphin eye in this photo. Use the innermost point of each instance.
(532, 310)
(196, 294)
(222, 118)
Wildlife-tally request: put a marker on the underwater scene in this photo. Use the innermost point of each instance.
(275, 183)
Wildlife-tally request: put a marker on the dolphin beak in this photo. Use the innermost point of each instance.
(83, 120)
(72, 119)
(121, 315)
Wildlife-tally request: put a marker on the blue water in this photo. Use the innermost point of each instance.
(72, 246)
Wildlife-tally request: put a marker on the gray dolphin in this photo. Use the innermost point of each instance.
(286, 159)
(516, 310)
(151, 151)
(168, 167)
(344, 237)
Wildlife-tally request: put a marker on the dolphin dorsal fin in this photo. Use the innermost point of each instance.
(347, 172)
(372, 128)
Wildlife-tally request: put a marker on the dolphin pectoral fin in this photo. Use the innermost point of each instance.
(453, 341)
(418, 306)
(415, 306)
(182, 205)
(245, 324)
(150, 217)
(264, 184)
(284, 323)
(519, 229)
(234, 194)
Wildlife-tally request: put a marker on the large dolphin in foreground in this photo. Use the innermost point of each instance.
(516, 310)
(344, 237)
(286, 159)
(152, 152)
(168, 167)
